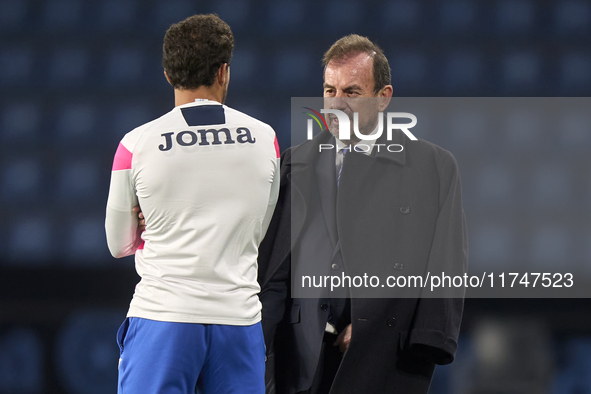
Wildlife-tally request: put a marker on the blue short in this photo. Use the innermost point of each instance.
(164, 357)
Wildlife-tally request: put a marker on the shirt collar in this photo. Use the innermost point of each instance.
(365, 147)
(199, 102)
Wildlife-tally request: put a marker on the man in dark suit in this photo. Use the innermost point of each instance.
(354, 211)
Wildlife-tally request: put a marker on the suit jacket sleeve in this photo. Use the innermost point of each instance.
(435, 330)
(274, 259)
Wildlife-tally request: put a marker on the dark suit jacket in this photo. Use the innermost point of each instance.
(402, 211)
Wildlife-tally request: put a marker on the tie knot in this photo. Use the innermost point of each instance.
(345, 150)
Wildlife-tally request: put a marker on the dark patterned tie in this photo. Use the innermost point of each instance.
(344, 151)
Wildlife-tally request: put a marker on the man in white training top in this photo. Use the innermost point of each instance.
(206, 179)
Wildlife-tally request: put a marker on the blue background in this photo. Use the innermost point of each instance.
(76, 75)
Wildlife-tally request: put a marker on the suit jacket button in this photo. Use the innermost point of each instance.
(324, 307)
(391, 322)
(405, 210)
(398, 266)
(335, 266)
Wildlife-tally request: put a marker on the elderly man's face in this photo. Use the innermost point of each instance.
(348, 86)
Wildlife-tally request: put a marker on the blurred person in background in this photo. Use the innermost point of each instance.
(206, 179)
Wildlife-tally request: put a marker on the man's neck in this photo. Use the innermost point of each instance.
(189, 96)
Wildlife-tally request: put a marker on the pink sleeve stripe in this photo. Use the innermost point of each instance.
(141, 245)
(122, 159)
(277, 147)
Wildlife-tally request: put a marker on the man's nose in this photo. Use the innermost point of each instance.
(338, 101)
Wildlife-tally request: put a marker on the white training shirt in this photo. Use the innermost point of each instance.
(207, 179)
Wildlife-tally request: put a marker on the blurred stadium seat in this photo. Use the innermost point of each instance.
(496, 185)
(16, 64)
(574, 130)
(117, 15)
(350, 16)
(575, 363)
(86, 243)
(468, 129)
(573, 17)
(550, 244)
(167, 12)
(87, 353)
(292, 66)
(400, 16)
(492, 245)
(521, 132)
(77, 124)
(32, 238)
(236, 13)
(22, 180)
(21, 362)
(69, 66)
(521, 71)
(125, 66)
(12, 14)
(512, 355)
(552, 186)
(126, 117)
(463, 71)
(515, 17)
(458, 16)
(286, 15)
(20, 123)
(410, 68)
(79, 180)
(575, 72)
(244, 67)
(63, 14)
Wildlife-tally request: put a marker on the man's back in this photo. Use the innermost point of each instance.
(203, 176)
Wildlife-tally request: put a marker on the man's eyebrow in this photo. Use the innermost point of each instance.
(352, 87)
(347, 89)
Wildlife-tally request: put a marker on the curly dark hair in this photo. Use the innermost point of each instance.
(354, 44)
(194, 50)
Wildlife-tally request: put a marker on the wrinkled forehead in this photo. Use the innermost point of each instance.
(352, 69)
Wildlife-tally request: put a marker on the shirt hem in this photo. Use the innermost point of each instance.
(180, 318)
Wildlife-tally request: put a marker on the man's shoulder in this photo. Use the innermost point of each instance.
(131, 138)
(428, 157)
(307, 151)
(302, 152)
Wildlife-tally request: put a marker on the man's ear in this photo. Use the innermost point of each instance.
(223, 74)
(167, 77)
(384, 97)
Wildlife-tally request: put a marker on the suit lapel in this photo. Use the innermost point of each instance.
(306, 181)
